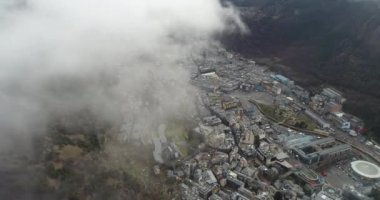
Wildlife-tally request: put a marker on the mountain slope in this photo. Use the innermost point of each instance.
(332, 42)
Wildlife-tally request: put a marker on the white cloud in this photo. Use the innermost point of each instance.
(108, 55)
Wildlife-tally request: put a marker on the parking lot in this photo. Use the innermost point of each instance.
(340, 174)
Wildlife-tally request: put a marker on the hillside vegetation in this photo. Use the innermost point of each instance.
(319, 43)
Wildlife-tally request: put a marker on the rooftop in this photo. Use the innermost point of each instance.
(366, 169)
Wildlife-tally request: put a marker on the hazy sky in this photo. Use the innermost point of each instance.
(106, 55)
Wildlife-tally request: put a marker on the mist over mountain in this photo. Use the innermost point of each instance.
(70, 66)
(322, 42)
(113, 58)
(87, 87)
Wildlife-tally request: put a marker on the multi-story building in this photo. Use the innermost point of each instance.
(229, 102)
(317, 119)
(301, 93)
(309, 180)
(333, 95)
(321, 152)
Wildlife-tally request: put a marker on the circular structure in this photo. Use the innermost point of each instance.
(366, 169)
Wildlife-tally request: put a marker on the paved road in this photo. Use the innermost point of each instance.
(340, 136)
(354, 142)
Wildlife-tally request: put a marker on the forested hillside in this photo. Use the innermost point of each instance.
(323, 42)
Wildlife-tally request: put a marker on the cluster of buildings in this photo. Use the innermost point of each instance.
(246, 156)
(329, 104)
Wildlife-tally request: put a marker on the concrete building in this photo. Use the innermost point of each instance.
(215, 197)
(328, 193)
(321, 152)
(309, 179)
(233, 182)
(301, 93)
(212, 120)
(238, 196)
(280, 78)
(266, 152)
(338, 120)
(170, 152)
(209, 177)
(246, 87)
(276, 90)
(246, 193)
(217, 137)
(323, 142)
(227, 85)
(229, 102)
(317, 119)
(334, 95)
(297, 140)
(206, 69)
(333, 107)
(189, 193)
(317, 102)
(351, 193)
(157, 153)
(205, 191)
(250, 111)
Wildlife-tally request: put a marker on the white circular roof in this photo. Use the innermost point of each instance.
(366, 169)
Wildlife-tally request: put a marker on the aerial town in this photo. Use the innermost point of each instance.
(261, 136)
